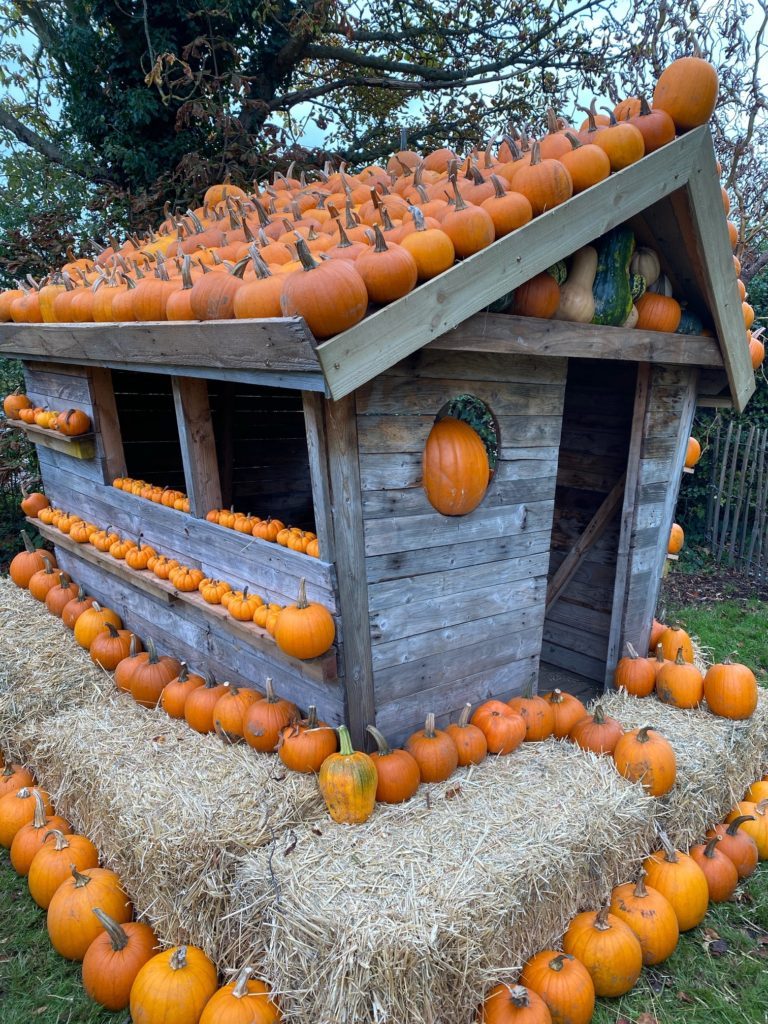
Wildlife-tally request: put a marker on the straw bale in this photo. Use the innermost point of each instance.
(42, 670)
(716, 759)
(412, 915)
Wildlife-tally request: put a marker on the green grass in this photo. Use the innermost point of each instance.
(36, 984)
(736, 627)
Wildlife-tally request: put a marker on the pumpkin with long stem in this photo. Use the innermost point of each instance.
(58, 597)
(564, 983)
(93, 621)
(125, 668)
(609, 950)
(72, 926)
(18, 809)
(398, 775)
(150, 677)
(509, 210)
(265, 719)
(33, 503)
(304, 629)
(174, 695)
(586, 163)
(331, 296)
(110, 648)
(114, 958)
(719, 870)
(514, 1004)
(304, 745)
(680, 879)
(597, 732)
(643, 755)
(431, 248)
(174, 985)
(546, 183)
(634, 674)
(680, 684)
(650, 916)
(44, 580)
(737, 845)
(470, 228)
(245, 1000)
(348, 782)
(26, 563)
(388, 270)
(52, 864)
(434, 751)
(30, 837)
(469, 739)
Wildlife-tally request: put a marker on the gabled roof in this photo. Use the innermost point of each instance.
(672, 199)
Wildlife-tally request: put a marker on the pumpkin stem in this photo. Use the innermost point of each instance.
(48, 564)
(660, 653)
(679, 660)
(498, 188)
(183, 675)
(311, 722)
(345, 741)
(39, 819)
(305, 256)
(631, 651)
(640, 890)
(301, 600)
(178, 959)
(117, 935)
(29, 546)
(429, 726)
(460, 204)
(598, 715)
(733, 828)
(535, 154)
(464, 716)
(557, 697)
(241, 984)
(559, 960)
(113, 633)
(271, 697)
(762, 807)
(152, 650)
(642, 734)
(381, 243)
(575, 143)
(81, 880)
(381, 741)
(518, 996)
(670, 852)
(601, 920)
(709, 849)
(60, 841)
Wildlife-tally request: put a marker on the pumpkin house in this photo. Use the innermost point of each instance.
(586, 426)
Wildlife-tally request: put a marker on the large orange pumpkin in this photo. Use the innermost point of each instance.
(687, 91)
(455, 467)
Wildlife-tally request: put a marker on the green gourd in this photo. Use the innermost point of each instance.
(613, 289)
(689, 324)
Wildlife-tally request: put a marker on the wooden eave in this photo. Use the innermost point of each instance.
(671, 198)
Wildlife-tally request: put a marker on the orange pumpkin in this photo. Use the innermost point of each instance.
(730, 690)
(634, 674)
(434, 751)
(455, 467)
(687, 91)
(304, 629)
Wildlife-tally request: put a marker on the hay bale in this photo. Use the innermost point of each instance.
(170, 810)
(42, 670)
(716, 759)
(411, 916)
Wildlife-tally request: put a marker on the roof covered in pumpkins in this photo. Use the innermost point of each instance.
(672, 201)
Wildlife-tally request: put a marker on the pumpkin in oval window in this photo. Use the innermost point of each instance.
(455, 466)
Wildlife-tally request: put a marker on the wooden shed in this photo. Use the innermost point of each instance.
(558, 566)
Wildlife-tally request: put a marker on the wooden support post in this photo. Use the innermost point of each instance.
(347, 513)
(318, 471)
(198, 447)
(592, 532)
(642, 391)
(106, 422)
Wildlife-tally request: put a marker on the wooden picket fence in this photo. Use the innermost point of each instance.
(737, 506)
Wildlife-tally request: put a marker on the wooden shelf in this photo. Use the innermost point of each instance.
(319, 670)
(81, 447)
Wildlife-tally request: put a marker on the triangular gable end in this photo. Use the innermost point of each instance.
(695, 250)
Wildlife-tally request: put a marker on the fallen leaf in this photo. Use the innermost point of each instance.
(718, 948)
(647, 1018)
(683, 997)
(453, 792)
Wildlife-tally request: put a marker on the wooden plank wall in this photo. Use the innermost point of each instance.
(593, 455)
(456, 603)
(261, 443)
(666, 428)
(79, 486)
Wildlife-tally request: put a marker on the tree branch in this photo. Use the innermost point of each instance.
(50, 150)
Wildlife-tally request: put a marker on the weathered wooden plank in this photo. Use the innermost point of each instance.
(582, 664)
(341, 434)
(402, 395)
(446, 557)
(582, 616)
(472, 364)
(710, 237)
(577, 639)
(275, 570)
(404, 469)
(592, 532)
(106, 423)
(399, 718)
(504, 334)
(80, 447)
(408, 433)
(71, 389)
(86, 469)
(436, 613)
(455, 582)
(357, 355)
(425, 531)
(198, 445)
(413, 500)
(181, 631)
(314, 421)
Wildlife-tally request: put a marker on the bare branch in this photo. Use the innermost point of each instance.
(50, 150)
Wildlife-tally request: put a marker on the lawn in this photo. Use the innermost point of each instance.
(718, 974)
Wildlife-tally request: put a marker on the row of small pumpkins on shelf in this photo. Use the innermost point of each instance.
(89, 919)
(302, 630)
(325, 250)
(729, 688)
(604, 951)
(676, 533)
(70, 422)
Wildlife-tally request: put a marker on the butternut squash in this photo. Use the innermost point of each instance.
(576, 300)
(633, 317)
